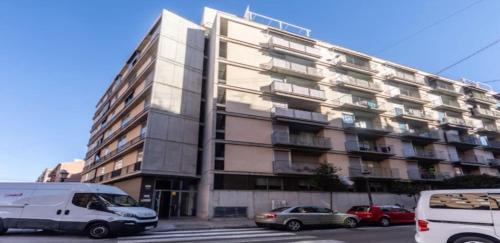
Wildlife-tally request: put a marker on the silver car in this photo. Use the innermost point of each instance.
(294, 218)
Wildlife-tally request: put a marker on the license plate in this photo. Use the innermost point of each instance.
(148, 227)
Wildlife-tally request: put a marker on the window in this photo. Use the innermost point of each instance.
(304, 210)
(125, 120)
(222, 73)
(223, 49)
(105, 151)
(221, 95)
(358, 61)
(223, 27)
(324, 210)
(219, 150)
(473, 201)
(108, 133)
(118, 164)
(405, 74)
(83, 199)
(140, 155)
(229, 212)
(103, 170)
(122, 141)
(144, 128)
(129, 98)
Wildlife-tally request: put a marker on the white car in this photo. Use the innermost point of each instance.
(97, 210)
(458, 216)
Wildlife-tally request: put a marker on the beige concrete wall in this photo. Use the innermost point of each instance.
(337, 138)
(248, 159)
(247, 78)
(340, 161)
(248, 130)
(131, 186)
(247, 103)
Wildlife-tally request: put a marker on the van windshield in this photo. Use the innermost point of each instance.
(117, 200)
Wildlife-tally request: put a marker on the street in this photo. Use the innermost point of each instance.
(367, 234)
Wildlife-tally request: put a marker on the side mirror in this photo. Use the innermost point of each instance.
(96, 206)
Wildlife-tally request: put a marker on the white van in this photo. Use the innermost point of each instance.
(458, 216)
(95, 209)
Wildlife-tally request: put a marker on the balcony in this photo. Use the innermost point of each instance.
(293, 48)
(370, 128)
(295, 69)
(488, 129)
(116, 173)
(427, 176)
(471, 161)
(448, 105)
(421, 136)
(404, 80)
(294, 167)
(362, 104)
(407, 95)
(424, 155)
(481, 98)
(372, 172)
(455, 123)
(366, 69)
(493, 146)
(369, 152)
(357, 84)
(306, 141)
(446, 88)
(466, 142)
(296, 91)
(413, 115)
(485, 113)
(299, 116)
(494, 163)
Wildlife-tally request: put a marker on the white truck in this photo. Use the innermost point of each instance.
(98, 210)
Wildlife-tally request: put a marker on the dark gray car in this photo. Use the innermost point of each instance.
(294, 218)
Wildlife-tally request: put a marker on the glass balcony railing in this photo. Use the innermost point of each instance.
(357, 67)
(377, 172)
(361, 103)
(368, 125)
(294, 167)
(294, 89)
(482, 97)
(294, 46)
(413, 113)
(355, 146)
(455, 121)
(448, 103)
(405, 79)
(284, 66)
(465, 139)
(299, 115)
(360, 83)
(301, 140)
(425, 154)
(427, 175)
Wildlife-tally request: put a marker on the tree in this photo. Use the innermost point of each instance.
(471, 182)
(325, 178)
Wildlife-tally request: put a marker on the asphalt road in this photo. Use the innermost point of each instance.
(367, 234)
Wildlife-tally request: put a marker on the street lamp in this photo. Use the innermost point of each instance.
(366, 174)
(64, 175)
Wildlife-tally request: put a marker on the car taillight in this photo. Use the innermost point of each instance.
(422, 225)
(270, 216)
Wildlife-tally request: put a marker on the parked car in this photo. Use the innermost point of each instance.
(294, 218)
(458, 216)
(95, 209)
(384, 215)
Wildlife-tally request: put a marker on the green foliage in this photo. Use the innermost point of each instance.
(325, 178)
(471, 182)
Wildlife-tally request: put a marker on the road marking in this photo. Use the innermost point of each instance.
(205, 238)
(319, 241)
(181, 234)
(269, 239)
(203, 231)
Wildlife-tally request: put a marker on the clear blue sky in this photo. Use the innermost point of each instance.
(57, 57)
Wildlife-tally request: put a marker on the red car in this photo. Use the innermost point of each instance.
(384, 215)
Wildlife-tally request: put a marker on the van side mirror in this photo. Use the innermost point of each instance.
(96, 206)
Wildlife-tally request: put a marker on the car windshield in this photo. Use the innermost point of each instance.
(360, 208)
(117, 200)
(277, 210)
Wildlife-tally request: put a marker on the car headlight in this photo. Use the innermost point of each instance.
(128, 215)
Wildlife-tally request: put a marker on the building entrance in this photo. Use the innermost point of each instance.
(175, 198)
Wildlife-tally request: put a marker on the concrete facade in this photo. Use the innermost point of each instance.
(231, 117)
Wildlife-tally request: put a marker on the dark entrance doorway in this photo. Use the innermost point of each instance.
(175, 198)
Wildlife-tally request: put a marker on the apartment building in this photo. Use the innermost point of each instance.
(68, 171)
(232, 116)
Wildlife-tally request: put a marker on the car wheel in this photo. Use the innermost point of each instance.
(259, 225)
(2, 228)
(350, 223)
(98, 230)
(294, 225)
(385, 222)
(472, 239)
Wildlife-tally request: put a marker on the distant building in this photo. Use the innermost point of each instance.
(69, 171)
(44, 177)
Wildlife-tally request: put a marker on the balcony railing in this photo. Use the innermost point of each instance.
(294, 89)
(494, 162)
(376, 172)
(420, 114)
(425, 154)
(117, 173)
(404, 79)
(421, 175)
(363, 68)
(280, 65)
(294, 167)
(450, 104)
(345, 80)
(355, 146)
(301, 140)
(420, 133)
(294, 46)
(482, 97)
(299, 115)
(375, 126)
(359, 102)
(456, 121)
(486, 113)
(488, 128)
(446, 88)
(466, 139)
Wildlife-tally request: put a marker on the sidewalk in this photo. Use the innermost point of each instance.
(199, 224)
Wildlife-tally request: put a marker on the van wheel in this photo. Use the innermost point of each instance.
(472, 239)
(350, 223)
(98, 230)
(384, 222)
(294, 225)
